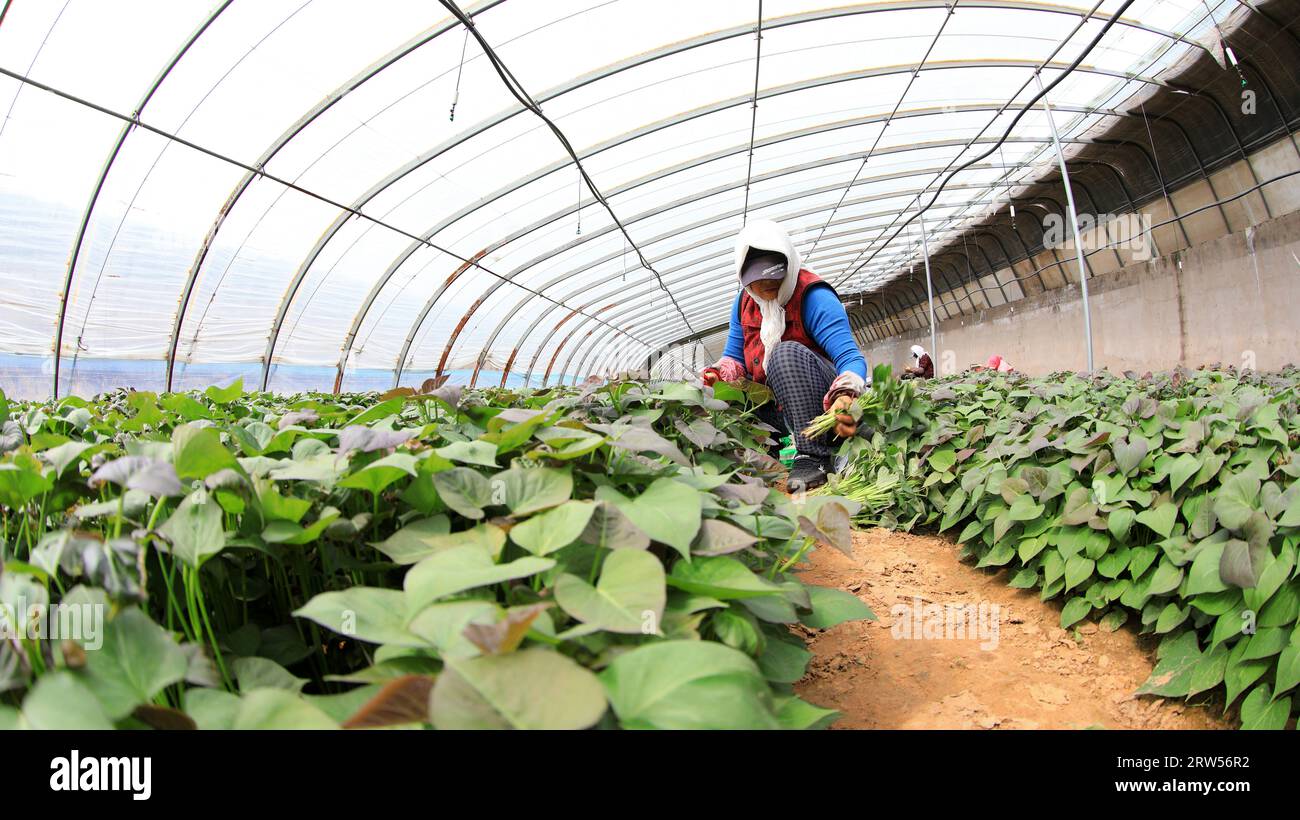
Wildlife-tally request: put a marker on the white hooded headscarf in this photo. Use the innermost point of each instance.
(766, 235)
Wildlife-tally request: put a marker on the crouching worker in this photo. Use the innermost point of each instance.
(924, 367)
(790, 332)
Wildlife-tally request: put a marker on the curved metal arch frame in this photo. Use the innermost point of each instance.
(379, 188)
(644, 309)
(693, 265)
(127, 128)
(519, 306)
(394, 267)
(651, 330)
(808, 83)
(794, 169)
(910, 5)
(659, 54)
(728, 215)
(784, 198)
(708, 299)
(542, 316)
(339, 222)
(698, 273)
(279, 144)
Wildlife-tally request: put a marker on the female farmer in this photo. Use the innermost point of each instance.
(924, 368)
(790, 332)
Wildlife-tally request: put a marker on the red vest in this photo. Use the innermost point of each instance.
(751, 320)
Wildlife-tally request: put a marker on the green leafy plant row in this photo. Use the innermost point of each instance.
(609, 557)
(1168, 499)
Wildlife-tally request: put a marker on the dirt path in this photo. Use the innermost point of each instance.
(1032, 674)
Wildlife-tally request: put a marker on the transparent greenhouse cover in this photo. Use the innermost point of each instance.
(295, 203)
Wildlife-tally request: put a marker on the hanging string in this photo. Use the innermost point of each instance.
(1003, 159)
(970, 271)
(579, 202)
(461, 70)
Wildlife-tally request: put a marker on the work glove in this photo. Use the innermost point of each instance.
(839, 398)
(726, 370)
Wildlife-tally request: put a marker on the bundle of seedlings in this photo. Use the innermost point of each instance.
(885, 405)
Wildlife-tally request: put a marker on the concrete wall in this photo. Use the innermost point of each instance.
(1234, 299)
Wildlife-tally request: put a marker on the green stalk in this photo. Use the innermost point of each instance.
(121, 507)
(173, 606)
(807, 542)
(212, 636)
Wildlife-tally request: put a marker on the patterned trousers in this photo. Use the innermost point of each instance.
(799, 378)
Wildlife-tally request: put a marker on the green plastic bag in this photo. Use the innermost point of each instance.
(788, 451)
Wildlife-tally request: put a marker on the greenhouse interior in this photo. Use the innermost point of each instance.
(643, 364)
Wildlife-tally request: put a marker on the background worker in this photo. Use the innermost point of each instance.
(790, 332)
(923, 367)
(997, 363)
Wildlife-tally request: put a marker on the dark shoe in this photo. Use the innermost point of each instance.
(806, 473)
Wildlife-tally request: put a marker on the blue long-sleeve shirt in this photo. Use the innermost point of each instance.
(825, 320)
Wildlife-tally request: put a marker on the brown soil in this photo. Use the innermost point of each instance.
(1035, 675)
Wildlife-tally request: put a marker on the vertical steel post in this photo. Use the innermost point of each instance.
(929, 287)
(1074, 222)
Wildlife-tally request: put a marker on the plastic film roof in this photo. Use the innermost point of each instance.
(277, 189)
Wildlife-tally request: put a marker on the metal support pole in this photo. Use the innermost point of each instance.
(1074, 222)
(929, 286)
